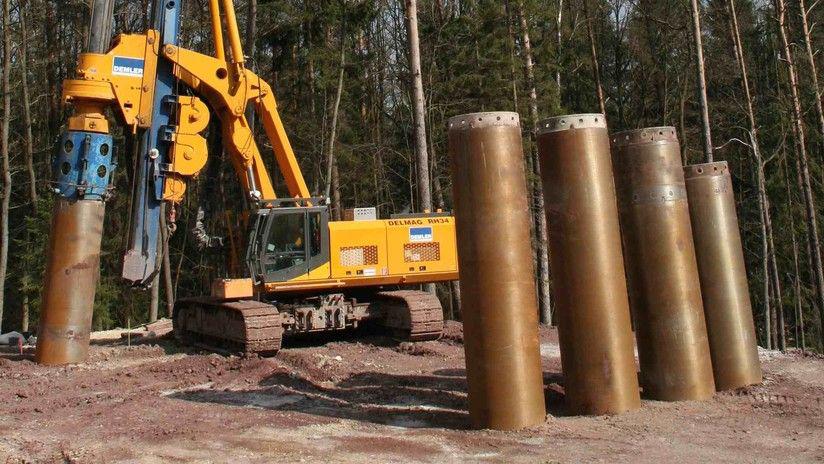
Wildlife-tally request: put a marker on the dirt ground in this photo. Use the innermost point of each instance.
(370, 400)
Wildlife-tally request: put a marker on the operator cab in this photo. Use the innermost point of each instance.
(288, 242)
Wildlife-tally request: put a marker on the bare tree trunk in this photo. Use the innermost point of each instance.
(544, 297)
(512, 66)
(24, 322)
(529, 164)
(419, 107)
(765, 247)
(799, 184)
(4, 152)
(805, 27)
(363, 52)
(330, 158)
(702, 80)
(154, 303)
(100, 32)
(800, 336)
(419, 113)
(558, 44)
(809, 198)
(337, 206)
(767, 306)
(593, 51)
(529, 169)
(24, 70)
(763, 199)
(167, 266)
(456, 298)
(682, 120)
(773, 319)
(251, 27)
(800, 341)
(779, 304)
(377, 117)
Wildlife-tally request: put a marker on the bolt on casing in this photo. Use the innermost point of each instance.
(503, 361)
(723, 275)
(665, 291)
(597, 350)
(70, 281)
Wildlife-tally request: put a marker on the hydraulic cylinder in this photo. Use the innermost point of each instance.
(597, 349)
(665, 291)
(500, 308)
(726, 295)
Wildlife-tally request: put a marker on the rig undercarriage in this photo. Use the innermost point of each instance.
(258, 327)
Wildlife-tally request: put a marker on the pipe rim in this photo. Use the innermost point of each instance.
(718, 168)
(484, 119)
(645, 135)
(572, 121)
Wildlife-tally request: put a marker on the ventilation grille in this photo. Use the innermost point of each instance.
(417, 252)
(359, 256)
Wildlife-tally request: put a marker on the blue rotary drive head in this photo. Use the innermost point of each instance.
(83, 166)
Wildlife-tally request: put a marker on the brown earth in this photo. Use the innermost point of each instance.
(370, 400)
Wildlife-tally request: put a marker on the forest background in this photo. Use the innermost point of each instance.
(342, 75)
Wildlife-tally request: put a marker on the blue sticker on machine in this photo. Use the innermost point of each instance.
(125, 66)
(420, 234)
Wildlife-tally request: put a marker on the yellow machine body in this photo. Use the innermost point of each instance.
(383, 252)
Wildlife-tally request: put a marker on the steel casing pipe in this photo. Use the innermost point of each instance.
(70, 281)
(724, 287)
(665, 291)
(597, 350)
(82, 171)
(503, 362)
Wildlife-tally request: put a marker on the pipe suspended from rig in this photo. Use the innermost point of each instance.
(665, 291)
(500, 315)
(73, 258)
(724, 287)
(597, 350)
(70, 281)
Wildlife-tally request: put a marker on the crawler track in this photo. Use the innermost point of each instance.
(411, 315)
(248, 327)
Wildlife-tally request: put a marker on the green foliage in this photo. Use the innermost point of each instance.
(473, 59)
(29, 264)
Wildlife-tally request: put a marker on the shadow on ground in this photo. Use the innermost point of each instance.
(403, 401)
(412, 401)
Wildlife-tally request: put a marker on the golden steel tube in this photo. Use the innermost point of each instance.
(665, 291)
(597, 350)
(730, 325)
(503, 361)
(72, 273)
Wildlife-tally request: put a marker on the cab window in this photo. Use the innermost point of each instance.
(286, 246)
(315, 224)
